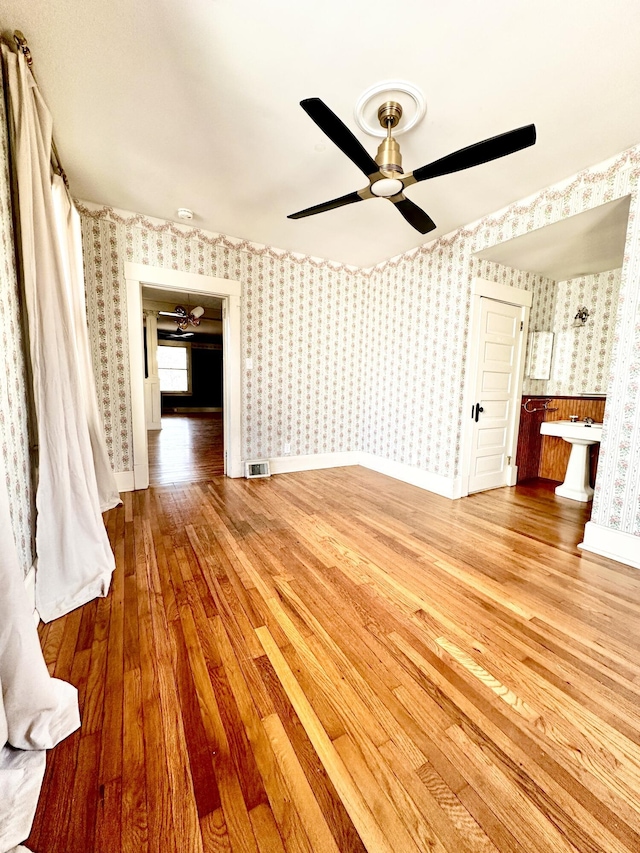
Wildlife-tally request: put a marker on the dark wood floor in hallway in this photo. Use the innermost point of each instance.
(187, 449)
(335, 661)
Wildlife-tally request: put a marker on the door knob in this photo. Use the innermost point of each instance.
(478, 409)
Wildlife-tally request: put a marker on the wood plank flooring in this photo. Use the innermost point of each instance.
(335, 661)
(187, 449)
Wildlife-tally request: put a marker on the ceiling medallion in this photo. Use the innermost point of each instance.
(414, 106)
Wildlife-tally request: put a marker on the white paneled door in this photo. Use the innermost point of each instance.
(496, 393)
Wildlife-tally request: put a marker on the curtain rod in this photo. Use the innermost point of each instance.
(23, 47)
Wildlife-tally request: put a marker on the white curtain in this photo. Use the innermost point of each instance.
(36, 711)
(70, 240)
(75, 481)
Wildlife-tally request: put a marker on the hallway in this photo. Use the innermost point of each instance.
(336, 661)
(188, 448)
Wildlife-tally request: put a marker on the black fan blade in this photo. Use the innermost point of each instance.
(481, 152)
(328, 205)
(415, 216)
(339, 134)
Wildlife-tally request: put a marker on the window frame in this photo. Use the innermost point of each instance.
(186, 345)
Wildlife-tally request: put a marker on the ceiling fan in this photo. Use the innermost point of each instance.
(385, 174)
(183, 317)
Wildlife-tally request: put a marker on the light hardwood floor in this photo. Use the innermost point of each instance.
(335, 661)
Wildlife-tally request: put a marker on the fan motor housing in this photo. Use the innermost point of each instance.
(389, 114)
(389, 158)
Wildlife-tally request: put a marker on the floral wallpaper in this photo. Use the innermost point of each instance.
(14, 430)
(375, 360)
(302, 326)
(582, 354)
(414, 372)
(437, 278)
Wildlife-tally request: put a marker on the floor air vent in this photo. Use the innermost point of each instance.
(257, 468)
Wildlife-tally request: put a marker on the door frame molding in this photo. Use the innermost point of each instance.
(230, 291)
(513, 296)
(152, 393)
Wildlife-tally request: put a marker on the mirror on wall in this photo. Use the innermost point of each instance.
(539, 354)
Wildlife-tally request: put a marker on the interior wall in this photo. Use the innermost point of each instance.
(369, 360)
(582, 355)
(302, 327)
(436, 281)
(541, 319)
(581, 358)
(14, 407)
(415, 372)
(206, 381)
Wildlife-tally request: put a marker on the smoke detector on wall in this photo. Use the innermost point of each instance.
(185, 213)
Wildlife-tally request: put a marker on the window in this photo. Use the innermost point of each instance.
(174, 368)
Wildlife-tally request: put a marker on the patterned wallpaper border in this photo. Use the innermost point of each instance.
(563, 190)
(210, 238)
(541, 202)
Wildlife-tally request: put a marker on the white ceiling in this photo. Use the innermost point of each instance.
(583, 244)
(159, 105)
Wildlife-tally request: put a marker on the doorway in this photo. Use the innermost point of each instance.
(172, 282)
(497, 345)
(183, 385)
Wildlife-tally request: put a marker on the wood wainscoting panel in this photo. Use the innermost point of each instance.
(554, 452)
(529, 440)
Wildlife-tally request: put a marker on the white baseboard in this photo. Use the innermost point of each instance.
(313, 461)
(448, 488)
(614, 544)
(124, 481)
(30, 586)
(190, 410)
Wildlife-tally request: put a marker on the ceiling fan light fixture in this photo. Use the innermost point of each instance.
(386, 187)
(385, 175)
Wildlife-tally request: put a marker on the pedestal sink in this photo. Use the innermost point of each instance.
(580, 436)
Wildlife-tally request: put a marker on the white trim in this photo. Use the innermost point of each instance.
(313, 461)
(125, 481)
(439, 485)
(513, 296)
(30, 587)
(192, 410)
(502, 292)
(445, 486)
(188, 281)
(614, 544)
(229, 290)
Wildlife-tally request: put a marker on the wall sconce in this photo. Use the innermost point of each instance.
(581, 317)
